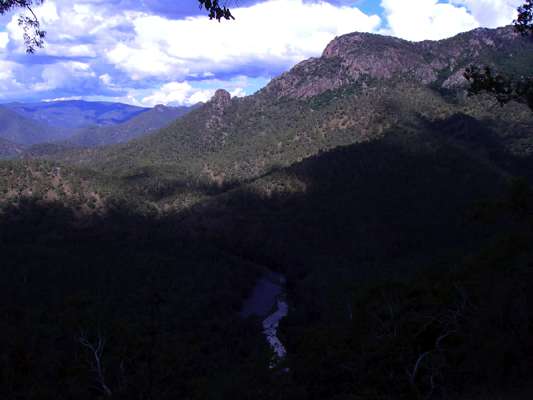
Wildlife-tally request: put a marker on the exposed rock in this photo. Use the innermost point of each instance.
(221, 99)
(361, 57)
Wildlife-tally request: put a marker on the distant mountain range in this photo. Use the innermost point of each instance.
(139, 125)
(72, 114)
(25, 131)
(80, 123)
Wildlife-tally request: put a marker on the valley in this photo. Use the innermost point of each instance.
(392, 211)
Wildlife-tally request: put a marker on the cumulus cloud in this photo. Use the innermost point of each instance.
(75, 29)
(431, 19)
(8, 82)
(64, 75)
(491, 13)
(426, 19)
(185, 93)
(177, 93)
(4, 40)
(176, 49)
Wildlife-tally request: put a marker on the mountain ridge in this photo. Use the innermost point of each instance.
(320, 104)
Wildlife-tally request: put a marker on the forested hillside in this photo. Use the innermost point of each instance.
(397, 207)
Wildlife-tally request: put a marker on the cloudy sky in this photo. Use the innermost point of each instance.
(168, 52)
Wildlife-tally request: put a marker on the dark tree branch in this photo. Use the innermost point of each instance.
(34, 36)
(216, 10)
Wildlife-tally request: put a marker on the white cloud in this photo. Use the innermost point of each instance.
(275, 32)
(4, 40)
(73, 29)
(491, 13)
(177, 93)
(62, 99)
(238, 92)
(106, 79)
(63, 75)
(8, 82)
(430, 19)
(426, 19)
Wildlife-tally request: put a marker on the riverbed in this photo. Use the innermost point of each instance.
(267, 301)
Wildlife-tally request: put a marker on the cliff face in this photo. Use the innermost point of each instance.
(365, 57)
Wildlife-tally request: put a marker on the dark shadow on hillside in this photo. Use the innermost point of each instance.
(395, 201)
(164, 291)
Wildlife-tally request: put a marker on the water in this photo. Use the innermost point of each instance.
(270, 329)
(268, 295)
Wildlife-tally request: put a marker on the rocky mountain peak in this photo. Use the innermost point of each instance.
(221, 98)
(364, 58)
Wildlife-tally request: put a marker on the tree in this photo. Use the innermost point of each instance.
(506, 88)
(34, 35)
(216, 11)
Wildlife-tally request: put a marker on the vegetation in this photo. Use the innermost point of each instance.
(33, 35)
(506, 88)
(391, 203)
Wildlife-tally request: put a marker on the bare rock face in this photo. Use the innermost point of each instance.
(364, 57)
(221, 99)
(218, 104)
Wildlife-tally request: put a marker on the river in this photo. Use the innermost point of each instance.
(267, 301)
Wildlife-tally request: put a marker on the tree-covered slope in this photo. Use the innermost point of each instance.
(362, 86)
(9, 149)
(387, 198)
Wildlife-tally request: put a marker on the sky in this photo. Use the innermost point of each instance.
(168, 52)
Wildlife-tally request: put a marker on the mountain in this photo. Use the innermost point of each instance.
(76, 113)
(80, 124)
(24, 131)
(139, 125)
(396, 207)
(363, 86)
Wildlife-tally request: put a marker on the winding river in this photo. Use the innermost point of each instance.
(268, 295)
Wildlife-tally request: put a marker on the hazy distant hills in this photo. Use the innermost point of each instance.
(68, 124)
(76, 113)
(19, 129)
(139, 125)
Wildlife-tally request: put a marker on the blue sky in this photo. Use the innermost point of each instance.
(167, 52)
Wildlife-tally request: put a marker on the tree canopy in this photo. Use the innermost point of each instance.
(506, 88)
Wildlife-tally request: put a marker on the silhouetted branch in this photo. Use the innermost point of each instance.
(33, 34)
(97, 351)
(216, 10)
